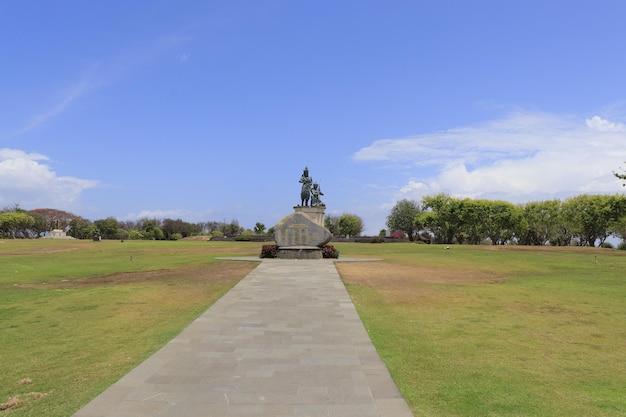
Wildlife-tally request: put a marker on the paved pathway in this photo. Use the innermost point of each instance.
(285, 341)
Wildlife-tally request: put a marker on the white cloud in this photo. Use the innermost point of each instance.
(183, 57)
(521, 157)
(27, 180)
(603, 125)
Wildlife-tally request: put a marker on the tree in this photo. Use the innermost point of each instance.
(593, 217)
(500, 220)
(332, 224)
(40, 225)
(55, 219)
(15, 224)
(107, 227)
(540, 223)
(80, 229)
(402, 217)
(259, 228)
(350, 225)
(233, 228)
(441, 217)
(178, 227)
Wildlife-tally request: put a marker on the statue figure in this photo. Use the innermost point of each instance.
(316, 192)
(306, 181)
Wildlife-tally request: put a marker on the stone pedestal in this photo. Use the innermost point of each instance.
(315, 213)
(302, 234)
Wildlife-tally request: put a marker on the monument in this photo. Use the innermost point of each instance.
(301, 235)
(57, 233)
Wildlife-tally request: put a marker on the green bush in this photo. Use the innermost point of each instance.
(622, 246)
(135, 235)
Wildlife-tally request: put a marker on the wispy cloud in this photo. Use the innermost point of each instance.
(520, 157)
(27, 179)
(69, 96)
(106, 73)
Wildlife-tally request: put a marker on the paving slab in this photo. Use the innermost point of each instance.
(286, 341)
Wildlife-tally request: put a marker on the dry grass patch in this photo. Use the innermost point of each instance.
(218, 273)
(399, 283)
(21, 400)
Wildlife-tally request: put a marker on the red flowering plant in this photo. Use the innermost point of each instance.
(269, 251)
(329, 251)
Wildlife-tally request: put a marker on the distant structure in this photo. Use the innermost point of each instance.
(57, 233)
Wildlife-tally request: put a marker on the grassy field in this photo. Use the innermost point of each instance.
(465, 331)
(77, 315)
(484, 331)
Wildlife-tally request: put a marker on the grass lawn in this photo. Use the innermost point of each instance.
(484, 331)
(75, 316)
(465, 331)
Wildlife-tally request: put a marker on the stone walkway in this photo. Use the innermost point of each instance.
(285, 341)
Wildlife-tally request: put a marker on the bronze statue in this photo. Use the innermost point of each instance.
(316, 192)
(306, 181)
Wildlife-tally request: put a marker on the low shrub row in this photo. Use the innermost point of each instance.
(271, 251)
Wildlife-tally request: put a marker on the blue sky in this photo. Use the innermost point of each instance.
(210, 110)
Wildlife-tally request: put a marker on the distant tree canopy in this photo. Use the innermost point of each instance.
(331, 223)
(584, 220)
(349, 225)
(345, 225)
(259, 228)
(402, 218)
(18, 223)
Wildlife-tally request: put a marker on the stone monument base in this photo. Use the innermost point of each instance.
(299, 252)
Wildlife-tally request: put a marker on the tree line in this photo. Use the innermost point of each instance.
(16, 222)
(584, 220)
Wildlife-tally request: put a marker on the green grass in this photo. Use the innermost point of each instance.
(509, 332)
(74, 340)
(543, 335)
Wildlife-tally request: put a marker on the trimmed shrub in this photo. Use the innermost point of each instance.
(269, 251)
(398, 235)
(329, 251)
